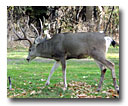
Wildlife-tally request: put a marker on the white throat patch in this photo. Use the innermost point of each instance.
(38, 40)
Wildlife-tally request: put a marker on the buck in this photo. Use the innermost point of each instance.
(64, 46)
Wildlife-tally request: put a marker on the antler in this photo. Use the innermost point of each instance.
(41, 26)
(19, 36)
(41, 30)
(35, 30)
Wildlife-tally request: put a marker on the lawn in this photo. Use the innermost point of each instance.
(28, 79)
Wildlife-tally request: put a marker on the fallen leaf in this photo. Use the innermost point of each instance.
(16, 95)
(30, 82)
(42, 79)
(71, 84)
(39, 92)
(49, 87)
(96, 85)
(38, 87)
(115, 95)
(99, 97)
(73, 93)
(42, 87)
(88, 86)
(81, 84)
(24, 92)
(96, 92)
(61, 83)
(84, 76)
(110, 90)
(33, 92)
(12, 89)
(107, 97)
(104, 91)
(52, 90)
(25, 81)
(82, 96)
(61, 95)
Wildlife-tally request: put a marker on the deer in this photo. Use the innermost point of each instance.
(65, 46)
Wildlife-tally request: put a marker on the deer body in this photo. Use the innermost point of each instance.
(65, 46)
(70, 45)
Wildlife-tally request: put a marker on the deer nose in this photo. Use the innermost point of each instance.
(28, 59)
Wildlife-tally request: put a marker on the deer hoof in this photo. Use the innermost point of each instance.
(47, 83)
(118, 91)
(98, 89)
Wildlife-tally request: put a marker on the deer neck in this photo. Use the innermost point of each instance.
(44, 49)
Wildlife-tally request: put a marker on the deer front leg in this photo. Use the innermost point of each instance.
(63, 63)
(55, 66)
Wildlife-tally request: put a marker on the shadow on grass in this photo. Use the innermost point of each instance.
(64, 100)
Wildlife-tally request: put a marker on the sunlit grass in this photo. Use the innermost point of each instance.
(30, 77)
(112, 55)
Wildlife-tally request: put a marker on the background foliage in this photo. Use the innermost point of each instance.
(59, 19)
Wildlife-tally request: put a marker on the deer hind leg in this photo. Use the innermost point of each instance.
(100, 57)
(103, 71)
(111, 66)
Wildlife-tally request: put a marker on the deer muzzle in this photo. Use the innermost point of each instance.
(28, 59)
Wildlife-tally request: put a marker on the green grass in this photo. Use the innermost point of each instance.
(28, 79)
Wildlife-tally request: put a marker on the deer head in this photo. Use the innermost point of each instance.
(38, 38)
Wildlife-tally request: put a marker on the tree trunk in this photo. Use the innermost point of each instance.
(89, 10)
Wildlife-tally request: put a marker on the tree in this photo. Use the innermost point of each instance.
(60, 19)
